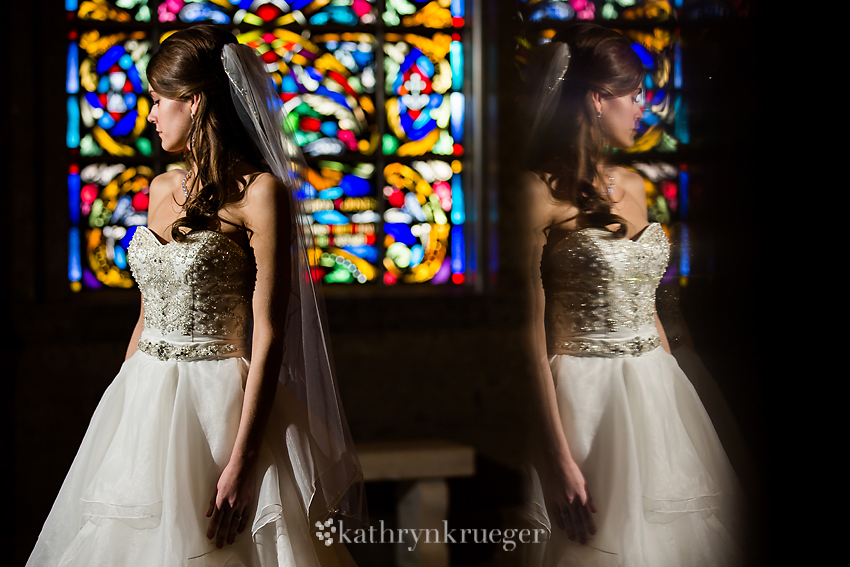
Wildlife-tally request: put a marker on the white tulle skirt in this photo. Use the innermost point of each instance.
(140, 486)
(665, 492)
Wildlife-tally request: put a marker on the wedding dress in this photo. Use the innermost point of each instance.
(665, 492)
(140, 486)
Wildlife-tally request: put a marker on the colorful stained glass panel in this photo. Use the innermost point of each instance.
(110, 10)
(666, 190)
(436, 14)
(425, 108)
(340, 199)
(327, 84)
(275, 12)
(108, 106)
(664, 123)
(424, 236)
(557, 10)
(107, 203)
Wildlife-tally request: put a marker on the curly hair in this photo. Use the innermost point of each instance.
(189, 63)
(570, 147)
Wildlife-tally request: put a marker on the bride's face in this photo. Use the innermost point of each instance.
(173, 120)
(620, 116)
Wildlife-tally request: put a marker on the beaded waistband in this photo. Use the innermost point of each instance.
(164, 350)
(635, 346)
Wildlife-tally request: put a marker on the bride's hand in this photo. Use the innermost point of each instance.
(569, 499)
(228, 511)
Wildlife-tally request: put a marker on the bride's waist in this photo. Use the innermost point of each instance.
(619, 343)
(178, 347)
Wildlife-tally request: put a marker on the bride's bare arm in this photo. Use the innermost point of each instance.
(267, 217)
(535, 219)
(268, 220)
(562, 480)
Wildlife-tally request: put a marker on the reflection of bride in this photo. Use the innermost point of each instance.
(631, 470)
(225, 417)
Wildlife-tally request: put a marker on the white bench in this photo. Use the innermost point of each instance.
(421, 468)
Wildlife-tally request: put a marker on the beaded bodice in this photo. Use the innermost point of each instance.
(198, 288)
(600, 286)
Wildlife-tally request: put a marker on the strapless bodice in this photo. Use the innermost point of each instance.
(600, 291)
(197, 294)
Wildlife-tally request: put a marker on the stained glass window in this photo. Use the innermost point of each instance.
(658, 10)
(108, 201)
(302, 12)
(106, 86)
(109, 11)
(424, 82)
(424, 221)
(427, 13)
(376, 94)
(327, 84)
(341, 201)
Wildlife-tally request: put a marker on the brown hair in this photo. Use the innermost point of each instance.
(571, 145)
(189, 63)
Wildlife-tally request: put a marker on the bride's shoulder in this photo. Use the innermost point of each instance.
(165, 183)
(631, 181)
(533, 183)
(265, 194)
(262, 188)
(534, 189)
(538, 206)
(168, 179)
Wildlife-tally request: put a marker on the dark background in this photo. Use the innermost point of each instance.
(409, 366)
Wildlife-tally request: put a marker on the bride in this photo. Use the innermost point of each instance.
(630, 467)
(222, 440)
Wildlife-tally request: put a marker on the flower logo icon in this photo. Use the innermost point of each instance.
(324, 534)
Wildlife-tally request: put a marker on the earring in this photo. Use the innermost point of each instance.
(192, 113)
(599, 115)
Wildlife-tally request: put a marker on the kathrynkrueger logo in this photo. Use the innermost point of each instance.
(326, 528)
(413, 537)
